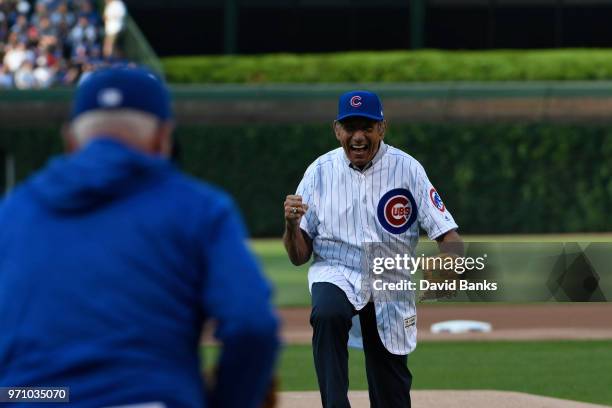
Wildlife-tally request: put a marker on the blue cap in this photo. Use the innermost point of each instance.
(360, 103)
(123, 88)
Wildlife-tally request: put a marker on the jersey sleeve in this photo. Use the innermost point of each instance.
(307, 189)
(433, 216)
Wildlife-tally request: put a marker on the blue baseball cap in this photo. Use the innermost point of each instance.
(123, 88)
(360, 103)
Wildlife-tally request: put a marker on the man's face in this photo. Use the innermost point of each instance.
(360, 137)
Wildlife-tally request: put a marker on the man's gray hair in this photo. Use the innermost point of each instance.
(125, 124)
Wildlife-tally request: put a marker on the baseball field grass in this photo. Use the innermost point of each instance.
(577, 370)
(291, 283)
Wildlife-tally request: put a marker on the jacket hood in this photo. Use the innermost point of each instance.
(103, 170)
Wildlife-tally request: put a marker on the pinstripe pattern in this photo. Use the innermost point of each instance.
(342, 217)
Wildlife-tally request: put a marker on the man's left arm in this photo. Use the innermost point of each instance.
(450, 246)
(433, 216)
(451, 243)
(440, 226)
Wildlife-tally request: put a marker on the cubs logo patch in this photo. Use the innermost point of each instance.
(397, 211)
(436, 200)
(356, 101)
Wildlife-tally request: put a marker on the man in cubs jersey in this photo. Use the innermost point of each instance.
(363, 192)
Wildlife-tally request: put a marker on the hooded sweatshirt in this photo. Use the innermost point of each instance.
(111, 261)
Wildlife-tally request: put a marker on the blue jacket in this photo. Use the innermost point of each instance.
(110, 263)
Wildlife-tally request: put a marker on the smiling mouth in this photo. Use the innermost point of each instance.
(359, 148)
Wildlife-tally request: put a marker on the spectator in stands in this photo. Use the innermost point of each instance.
(114, 23)
(21, 26)
(47, 33)
(79, 54)
(40, 11)
(48, 55)
(3, 27)
(6, 79)
(62, 19)
(13, 8)
(13, 39)
(84, 33)
(86, 8)
(49, 4)
(71, 75)
(23, 7)
(45, 70)
(16, 55)
(24, 77)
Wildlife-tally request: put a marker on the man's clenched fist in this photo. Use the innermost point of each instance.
(294, 209)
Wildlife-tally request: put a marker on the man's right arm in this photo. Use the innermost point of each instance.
(297, 243)
(238, 297)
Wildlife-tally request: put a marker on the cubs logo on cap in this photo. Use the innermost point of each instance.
(360, 103)
(397, 211)
(356, 101)
(436, 200)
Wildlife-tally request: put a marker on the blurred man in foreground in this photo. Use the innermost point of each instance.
(111, 261)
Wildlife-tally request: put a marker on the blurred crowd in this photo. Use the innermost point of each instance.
(45, 43)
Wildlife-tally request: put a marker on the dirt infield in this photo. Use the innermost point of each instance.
(446, 399)
(510, 322)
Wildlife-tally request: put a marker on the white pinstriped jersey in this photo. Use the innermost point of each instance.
(386, 203)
